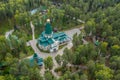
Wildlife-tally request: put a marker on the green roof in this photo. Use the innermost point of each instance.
(48, 29)
(35, 55)
(2, 64)
(50, 41)
(43, 39)
(97, 43)
(61, 36)
(46, 42)
(39, 60)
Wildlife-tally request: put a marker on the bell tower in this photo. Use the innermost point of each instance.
(48, 29)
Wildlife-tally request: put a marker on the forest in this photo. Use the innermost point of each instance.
(97, 60)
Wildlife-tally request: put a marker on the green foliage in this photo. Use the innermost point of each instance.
(9, 77)
(84, 53)
(101, 19)
(2, 78)
(91, 68)
(49, 76)
(90, 27)
(67, 56)
(103, 72)
(84, 77)
(22, 18)
(77, 40)
(23, 70)
(117, 77)
(103, 47)
(65, 76)
(115, 62)
(58, 58)
(115, 49)
(48, 63)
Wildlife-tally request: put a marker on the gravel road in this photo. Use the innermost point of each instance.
(43, 55)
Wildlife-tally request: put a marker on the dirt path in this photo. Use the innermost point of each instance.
(43, 55)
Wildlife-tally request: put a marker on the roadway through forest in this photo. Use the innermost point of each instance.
(43, 55)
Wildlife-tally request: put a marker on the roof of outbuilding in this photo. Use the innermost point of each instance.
(39, 60)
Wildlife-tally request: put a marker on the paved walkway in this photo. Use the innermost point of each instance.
(8, 33)
(53, 55)
(43, 55)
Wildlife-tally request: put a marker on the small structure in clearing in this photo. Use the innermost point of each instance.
(37, 59)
